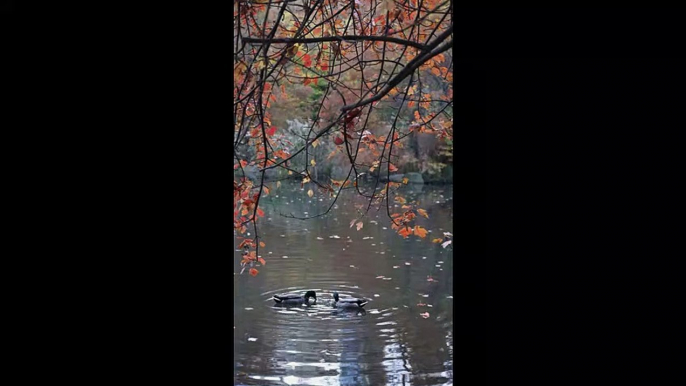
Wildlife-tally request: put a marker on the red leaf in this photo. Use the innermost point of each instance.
(307, 61)
(270, 131)
(260, 212)
(253, 271)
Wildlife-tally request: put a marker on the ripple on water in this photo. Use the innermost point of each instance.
(387, 344)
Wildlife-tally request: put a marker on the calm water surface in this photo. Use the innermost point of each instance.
(390, 343)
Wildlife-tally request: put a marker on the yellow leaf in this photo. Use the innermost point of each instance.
(315, 143)
(405, 180)
(306, 180)
(290, 172)
(310, 193)
(437, 241)
(313, 163)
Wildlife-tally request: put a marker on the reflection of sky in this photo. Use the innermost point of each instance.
(397, 367)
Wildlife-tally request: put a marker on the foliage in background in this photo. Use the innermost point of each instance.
(371, 80)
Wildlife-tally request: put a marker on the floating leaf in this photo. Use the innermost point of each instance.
(437, 241)
(422, 212)
(262, 245)
(261, 260)
(253, 271)
(310, 193)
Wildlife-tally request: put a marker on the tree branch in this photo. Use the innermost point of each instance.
(390, 39)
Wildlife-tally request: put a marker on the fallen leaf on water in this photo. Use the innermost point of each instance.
(310, 193)
(253, 271)
(424, 315)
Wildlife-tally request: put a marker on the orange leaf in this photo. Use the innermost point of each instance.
(260, 212)
(253, 271)
(262, 244)
(261, 260)
(392, 168)
(419, 231)
(437, 241)
(422, 212)
(405, 231)
(436, 71)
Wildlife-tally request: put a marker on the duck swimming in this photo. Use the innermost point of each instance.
(295, 298)
(348, 302)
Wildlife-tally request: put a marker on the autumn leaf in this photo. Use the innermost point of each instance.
(424, 315)
(262, 244)
(437, 241)
(261, 260)
(405, 232)
(422, 212)
(313, 163)
(392, 168)
(307, 60)
(400, 200)
(310, 193)
(359, 225)
(260, 212)
(270, 131)
(405, 180)
(444, 245)
(278, 184)
(253, 271)
(315, 143)
(352, 223)
(419, 231)
(436, 71)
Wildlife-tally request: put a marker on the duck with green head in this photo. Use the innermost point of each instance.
(348, 302)
(310, 297)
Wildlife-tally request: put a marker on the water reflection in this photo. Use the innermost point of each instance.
(386, 343)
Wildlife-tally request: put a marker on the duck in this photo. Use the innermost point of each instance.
(295, 298)
(348, 302)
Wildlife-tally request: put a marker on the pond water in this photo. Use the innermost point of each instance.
(388, 344)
